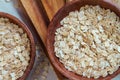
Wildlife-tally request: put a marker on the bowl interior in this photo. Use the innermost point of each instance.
(32, 44)
(55, 23)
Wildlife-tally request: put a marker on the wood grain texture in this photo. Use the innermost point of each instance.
(36, 18)
(52, 6)
(68, 0)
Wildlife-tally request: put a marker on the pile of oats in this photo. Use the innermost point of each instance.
(14, 50)
(88, 42)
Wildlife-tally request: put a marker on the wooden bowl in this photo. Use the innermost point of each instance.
(55, 23)
(32, 44)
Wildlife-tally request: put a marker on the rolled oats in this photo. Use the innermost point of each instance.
(14, 50)
(88, 41)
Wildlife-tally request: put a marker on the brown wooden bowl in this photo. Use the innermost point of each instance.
(55, 23)
(32, 44)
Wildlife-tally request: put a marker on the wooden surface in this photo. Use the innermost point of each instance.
(52, 6)
(38, 20)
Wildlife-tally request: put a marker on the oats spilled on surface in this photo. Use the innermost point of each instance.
(88, 42)
(14, 50)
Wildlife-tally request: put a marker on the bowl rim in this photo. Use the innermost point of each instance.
(16, 21)
(52, 55)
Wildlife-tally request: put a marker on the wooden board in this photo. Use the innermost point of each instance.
(52, 6)
(36, 18)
